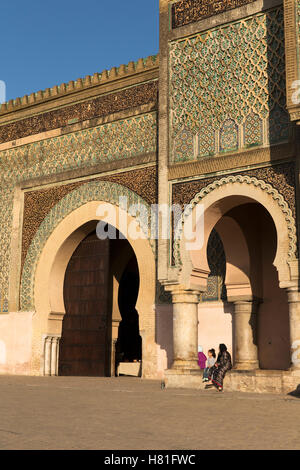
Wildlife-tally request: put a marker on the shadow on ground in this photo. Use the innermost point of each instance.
(295, 393)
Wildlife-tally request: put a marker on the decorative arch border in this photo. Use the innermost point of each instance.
(290, 221)
(105, 191)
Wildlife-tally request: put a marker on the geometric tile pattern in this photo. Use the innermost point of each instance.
(114, 141)
(184, 145)
(207, 141)
(229, 136)
(118, 140)
(253, 130)
(231, 72)
(92, 191)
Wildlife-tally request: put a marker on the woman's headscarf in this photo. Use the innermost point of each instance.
(222, 348)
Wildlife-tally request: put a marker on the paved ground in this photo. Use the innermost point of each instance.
(128, 413)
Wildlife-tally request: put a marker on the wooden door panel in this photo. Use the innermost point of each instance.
(84, 335)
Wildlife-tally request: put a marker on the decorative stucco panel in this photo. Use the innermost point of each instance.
(185, 12)
(227, 88)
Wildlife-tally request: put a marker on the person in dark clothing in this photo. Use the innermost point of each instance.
(220, 368)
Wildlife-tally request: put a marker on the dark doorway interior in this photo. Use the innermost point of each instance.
(129, 343)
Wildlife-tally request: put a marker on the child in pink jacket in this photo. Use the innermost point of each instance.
(201, 358)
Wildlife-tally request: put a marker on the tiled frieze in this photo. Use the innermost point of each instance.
(98, 107)
(113, 141)
(227, 87)
(253, 131)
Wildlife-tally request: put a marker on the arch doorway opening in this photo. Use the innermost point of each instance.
(101, 288)
(240, 253)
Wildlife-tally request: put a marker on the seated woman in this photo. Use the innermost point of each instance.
(220, 368)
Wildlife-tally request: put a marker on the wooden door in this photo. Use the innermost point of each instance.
(83, 346)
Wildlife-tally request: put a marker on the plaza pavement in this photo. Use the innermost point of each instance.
(133, 414)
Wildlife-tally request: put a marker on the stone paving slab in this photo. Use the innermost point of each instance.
(133, 414)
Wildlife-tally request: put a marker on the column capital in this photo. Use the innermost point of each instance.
(180, 294)
(245, 305)
(293, 293)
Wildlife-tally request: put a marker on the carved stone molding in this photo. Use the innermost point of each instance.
(38, 204)
(100, 106)
(188, 11)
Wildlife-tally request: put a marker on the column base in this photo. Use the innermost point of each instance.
(246, 365)
(186, 365)
(294, 368)
(183, 378)
(251, 381)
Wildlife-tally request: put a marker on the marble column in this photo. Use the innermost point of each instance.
(47, 356)
(185, 328)
(51, 351)
(245, 335)
(294, 314)
(54, 355)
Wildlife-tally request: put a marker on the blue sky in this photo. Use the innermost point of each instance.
(48, 42)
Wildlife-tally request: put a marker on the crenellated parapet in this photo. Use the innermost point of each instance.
(90, 81)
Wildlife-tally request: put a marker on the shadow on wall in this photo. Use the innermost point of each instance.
(228, 309)
(164, 332)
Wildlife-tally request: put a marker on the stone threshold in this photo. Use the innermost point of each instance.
(256, 381)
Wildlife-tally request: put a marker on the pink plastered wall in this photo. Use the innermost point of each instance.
(215, 327)
(15, 343)
(164, 337)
